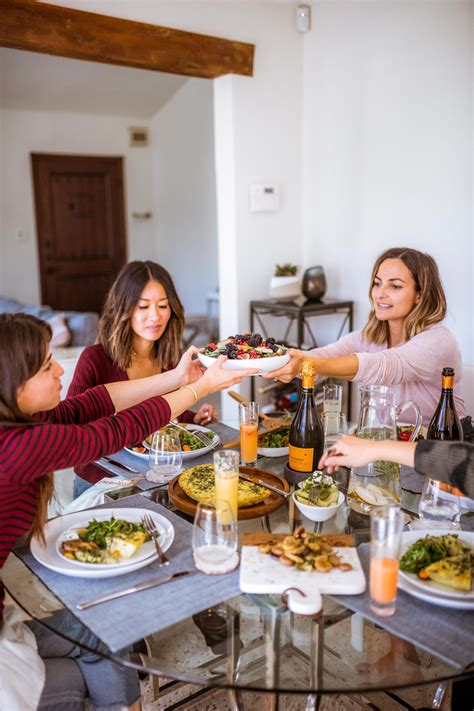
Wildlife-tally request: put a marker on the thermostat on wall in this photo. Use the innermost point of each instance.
(264, 197)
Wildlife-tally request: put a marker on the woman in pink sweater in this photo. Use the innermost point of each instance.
(403, 342)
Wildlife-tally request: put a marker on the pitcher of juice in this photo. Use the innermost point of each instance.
(378, 483)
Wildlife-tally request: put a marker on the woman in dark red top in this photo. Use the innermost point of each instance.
(140, 334)
(39, 434)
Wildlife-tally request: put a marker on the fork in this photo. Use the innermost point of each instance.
(201, 436)
(154, 533)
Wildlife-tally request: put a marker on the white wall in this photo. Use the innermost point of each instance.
(25, 132)
(388, 145)
(184, 192)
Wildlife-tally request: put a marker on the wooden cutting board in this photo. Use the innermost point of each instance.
(273, 502)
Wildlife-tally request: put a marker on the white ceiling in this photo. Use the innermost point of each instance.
(40, 82)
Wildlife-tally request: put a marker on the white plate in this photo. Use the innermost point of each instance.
(186, 455)
(428, 589)
(145, 551)
(273, 451)
(265, 365)
(49, 557)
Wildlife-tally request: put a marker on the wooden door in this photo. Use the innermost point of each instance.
(80, 227)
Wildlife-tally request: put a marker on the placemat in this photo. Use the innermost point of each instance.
(141, 465)
(411, 480)
(121, 622)
(448, 634)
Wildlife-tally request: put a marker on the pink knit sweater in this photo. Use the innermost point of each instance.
(413, 367)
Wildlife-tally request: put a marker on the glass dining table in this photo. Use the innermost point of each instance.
(254, 642)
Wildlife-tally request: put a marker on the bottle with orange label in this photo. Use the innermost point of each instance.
(306, 434)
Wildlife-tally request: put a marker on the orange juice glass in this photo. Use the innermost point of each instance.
(248, 415)
(226, 472)
(386, 526)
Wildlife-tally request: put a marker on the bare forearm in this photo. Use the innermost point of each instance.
(131, 392)
(394, 451)
(343, 367)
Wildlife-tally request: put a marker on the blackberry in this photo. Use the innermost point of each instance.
(255, 340)
(239, 337)
(274, 347)
(270, 342)
(232, 355)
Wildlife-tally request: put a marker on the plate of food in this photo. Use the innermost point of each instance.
(101, 543)
(246, 350)
(198, 484)
(274, 443)
(436, 566)
(191, 446)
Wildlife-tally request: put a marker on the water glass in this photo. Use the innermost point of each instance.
(332, 398)
(164, 456)
(248, 417)
(226, 473)
(386, 525)
(334, 426)
(438, 508)
(215, 538)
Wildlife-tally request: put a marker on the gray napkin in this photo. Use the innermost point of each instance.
(121, 622)
(446, 633)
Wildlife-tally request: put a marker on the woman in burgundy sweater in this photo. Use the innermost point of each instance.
(140, 332)
(39, 434)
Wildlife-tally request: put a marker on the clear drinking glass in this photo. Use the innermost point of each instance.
(386, 525)
(215, 538)
(438, 508)
(334, 426)
(332, 399)
(248, 416)
(226, 473)
(164, 456)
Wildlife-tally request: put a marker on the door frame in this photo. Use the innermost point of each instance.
(52, 29)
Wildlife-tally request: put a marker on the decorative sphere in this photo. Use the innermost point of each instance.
(314, 283)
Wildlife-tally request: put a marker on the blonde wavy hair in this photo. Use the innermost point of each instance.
(431, 307)
(115, 330)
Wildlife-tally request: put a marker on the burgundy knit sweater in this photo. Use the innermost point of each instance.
(78, 430)
(95, 367)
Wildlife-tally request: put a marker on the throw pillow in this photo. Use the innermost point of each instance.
(61, 334)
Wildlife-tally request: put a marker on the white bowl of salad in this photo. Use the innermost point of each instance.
(246, 350)
(318, 497)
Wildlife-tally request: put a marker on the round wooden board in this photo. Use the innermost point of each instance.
(273, 502)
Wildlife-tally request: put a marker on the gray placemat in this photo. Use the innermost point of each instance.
(141, 465)
(411, 481)
(121, 622)
(446, 633)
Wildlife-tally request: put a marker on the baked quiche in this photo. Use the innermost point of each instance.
(199, 484)
(452, 572)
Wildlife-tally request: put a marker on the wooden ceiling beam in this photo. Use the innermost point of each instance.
(65, 32)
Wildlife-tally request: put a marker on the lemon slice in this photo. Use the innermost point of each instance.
(365, 495)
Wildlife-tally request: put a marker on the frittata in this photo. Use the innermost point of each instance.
(199, 484)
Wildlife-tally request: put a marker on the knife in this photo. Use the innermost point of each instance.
(119, 464)
(283, 493)
(152, 583)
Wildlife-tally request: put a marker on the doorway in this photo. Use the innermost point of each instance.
(80, 225)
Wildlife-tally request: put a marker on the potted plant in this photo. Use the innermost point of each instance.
(285, 283)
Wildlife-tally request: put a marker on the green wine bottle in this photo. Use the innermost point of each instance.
(306, 439)
(445, 423)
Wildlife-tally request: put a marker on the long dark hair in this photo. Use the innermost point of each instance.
(431, 307)
(115, 330)
(24, 345)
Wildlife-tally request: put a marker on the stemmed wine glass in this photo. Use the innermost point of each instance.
(164, 456)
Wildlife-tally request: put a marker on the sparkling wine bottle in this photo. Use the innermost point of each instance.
(306, 440)
(445, 423)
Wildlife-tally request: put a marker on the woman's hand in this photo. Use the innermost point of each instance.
(291, 369)
(349, 451)
(206, 413)
(188, 370)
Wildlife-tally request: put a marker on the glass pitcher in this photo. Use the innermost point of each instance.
(378, 483)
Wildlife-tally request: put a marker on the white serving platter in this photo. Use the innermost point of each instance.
(49, 556)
